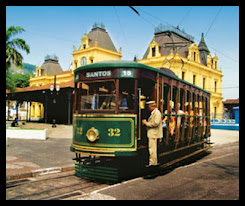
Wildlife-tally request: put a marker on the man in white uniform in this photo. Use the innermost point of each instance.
(154, 131)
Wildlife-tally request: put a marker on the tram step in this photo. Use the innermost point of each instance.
(97, 172)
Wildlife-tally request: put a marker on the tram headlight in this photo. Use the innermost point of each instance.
(92, 134)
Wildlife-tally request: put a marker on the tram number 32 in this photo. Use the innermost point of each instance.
(111, 132)
(114, 132)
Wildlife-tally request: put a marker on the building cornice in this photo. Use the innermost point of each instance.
(81, 51)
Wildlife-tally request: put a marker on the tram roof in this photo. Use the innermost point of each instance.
(131, 64)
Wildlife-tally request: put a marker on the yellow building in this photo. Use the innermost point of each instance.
(95, 46)
(174, 49)
(45, 76)
(170, 48)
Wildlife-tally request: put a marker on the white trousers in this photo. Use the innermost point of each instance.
(152, 145)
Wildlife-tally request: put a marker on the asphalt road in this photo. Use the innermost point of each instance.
(213, 177)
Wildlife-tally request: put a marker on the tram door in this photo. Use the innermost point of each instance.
(145, 94)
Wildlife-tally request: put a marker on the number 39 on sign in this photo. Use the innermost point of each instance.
(127, 73)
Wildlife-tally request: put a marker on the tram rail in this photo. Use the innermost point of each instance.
(54, 187)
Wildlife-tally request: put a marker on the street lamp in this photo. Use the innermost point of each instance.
(54, 87)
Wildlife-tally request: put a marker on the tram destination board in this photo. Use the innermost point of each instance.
(127, 73)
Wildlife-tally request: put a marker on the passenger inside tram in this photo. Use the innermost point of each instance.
(171, 122)
(102, 95)
(110, 99)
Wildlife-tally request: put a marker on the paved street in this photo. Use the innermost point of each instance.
(24, 156)
(214, 177)
(219, 137)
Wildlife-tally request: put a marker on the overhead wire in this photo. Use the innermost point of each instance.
(159, 19)
(142, 16)
(155, 26)
(213, 21)
(231, 58)
(122, 30)
(134, 10)
(154, 16)
(169, 60)
(165, 22)
(182, 20)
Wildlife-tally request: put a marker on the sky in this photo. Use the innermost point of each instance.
(55, 29)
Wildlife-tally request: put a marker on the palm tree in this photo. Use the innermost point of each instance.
(12, 55)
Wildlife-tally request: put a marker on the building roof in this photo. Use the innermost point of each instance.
(43, 87)
(170, 37)
(202, 45)
(66, 72)
(231, 101)
(162, 28)
(100, 34)
(204, 51)
(173, 39)
(51, 66)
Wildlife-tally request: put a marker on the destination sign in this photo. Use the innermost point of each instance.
(98, 74)
(127, 73)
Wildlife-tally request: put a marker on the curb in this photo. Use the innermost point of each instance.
(40, 172)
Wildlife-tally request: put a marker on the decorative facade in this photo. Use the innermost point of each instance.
(95, 46)
(172, 48)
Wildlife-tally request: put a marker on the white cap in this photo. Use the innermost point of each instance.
(151, 103)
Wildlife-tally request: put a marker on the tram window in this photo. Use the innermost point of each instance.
(174, 100)
(182, 100)
(205, 106)
(99, 95)
(126, 94)
(188, 99)
(166, 90)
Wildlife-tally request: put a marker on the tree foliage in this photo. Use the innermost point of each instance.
(13, 56)
(12, 44)
(21, 80)
(17, 80)
(10, 83)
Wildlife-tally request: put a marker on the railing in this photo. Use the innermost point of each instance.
(162, 28)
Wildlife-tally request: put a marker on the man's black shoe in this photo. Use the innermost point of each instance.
(148, 166)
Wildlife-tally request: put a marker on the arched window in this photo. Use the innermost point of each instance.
(153, 51)
(194, 56)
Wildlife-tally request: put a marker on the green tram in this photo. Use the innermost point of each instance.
(109, 139)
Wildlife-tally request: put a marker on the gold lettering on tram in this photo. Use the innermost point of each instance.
(79, 130)
(114, 132)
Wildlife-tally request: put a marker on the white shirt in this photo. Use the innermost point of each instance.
(153, 111)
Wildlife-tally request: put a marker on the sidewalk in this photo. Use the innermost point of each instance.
(25, 158)
(220, 136)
